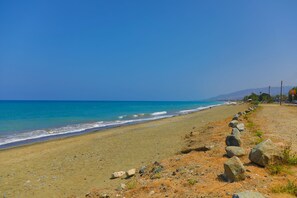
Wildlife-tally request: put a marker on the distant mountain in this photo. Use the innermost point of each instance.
(238, 95)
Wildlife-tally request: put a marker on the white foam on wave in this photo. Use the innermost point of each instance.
(198, 109)
(76, 128)
(159, 113)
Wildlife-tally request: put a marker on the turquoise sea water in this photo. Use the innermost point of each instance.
(22, 121)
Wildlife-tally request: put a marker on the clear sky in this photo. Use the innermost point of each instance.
(144, 50)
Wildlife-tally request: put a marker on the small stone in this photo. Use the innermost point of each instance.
(118, 174)
(123, 186)
(104, 195)
(131, 172)
(142, 170)
(151, 193)
(248, 194)
(234, 170)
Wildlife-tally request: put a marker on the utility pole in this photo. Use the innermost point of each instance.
(281, 94)
(269, 90)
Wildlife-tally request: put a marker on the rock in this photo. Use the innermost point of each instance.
(236, 116)
(233, 123)
(123, 186)
(239, 113)
(247, 111)
(266, 153)
(235, 132)
(235, 151)
(234, 170)
(131, 172)
(240, 127)
(233, 140)
(198, 149)
(142, 170)
(118, 174)
(248, 194)
(104, 195)
(151, 193)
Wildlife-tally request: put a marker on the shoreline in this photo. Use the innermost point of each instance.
(50, 137)
(72, 166)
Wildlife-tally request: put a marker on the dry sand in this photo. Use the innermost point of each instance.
(198, 174)
(72, 166)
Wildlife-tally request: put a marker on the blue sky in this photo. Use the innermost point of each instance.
(144, 50)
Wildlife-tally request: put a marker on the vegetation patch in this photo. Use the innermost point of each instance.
(192, 181)
(290, 188)
(289, 157)
(131, 184)
(275, 169)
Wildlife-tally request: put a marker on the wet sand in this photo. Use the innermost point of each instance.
(73, 166)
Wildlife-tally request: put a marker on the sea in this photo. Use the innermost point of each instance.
(23, 122)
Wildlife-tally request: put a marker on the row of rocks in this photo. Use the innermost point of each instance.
(234, 169)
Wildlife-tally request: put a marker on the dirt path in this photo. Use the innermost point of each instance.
(279, 122)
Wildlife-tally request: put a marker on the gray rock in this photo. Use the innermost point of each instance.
(235, 132)
(142, 170)
(233, 140)
(248, 194)
(233, 123)
(266, 153)
(234, 151)
(236, 116)
(234, 170)
(240, 127)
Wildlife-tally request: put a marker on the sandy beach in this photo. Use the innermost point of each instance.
(73, 166)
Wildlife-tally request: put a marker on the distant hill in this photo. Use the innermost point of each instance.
(238, 95)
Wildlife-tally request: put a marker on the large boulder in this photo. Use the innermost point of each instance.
(234, 151)
(233, 140)
(240, 127)
(234, 170)
(235, 131)
(266, 153)
(248, 194)
(233, 123)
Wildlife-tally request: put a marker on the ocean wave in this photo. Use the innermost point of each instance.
(86, 127)
(198, 109)
(70, 129)
(159, 113)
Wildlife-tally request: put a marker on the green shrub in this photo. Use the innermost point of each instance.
(192, 181)
(275, 169)
(259, 133)
(289, 157)
(290, 188)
